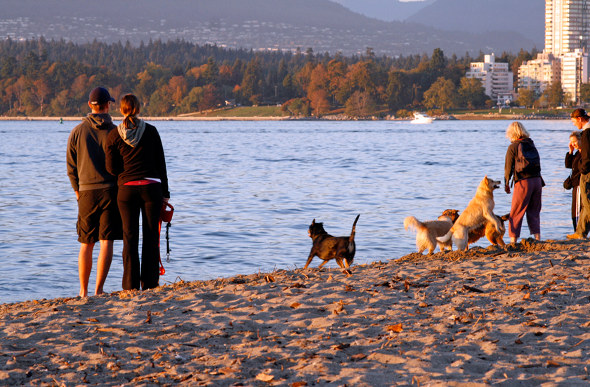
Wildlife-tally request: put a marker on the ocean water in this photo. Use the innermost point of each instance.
(245, 192)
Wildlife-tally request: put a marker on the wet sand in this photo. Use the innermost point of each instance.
(513, 316)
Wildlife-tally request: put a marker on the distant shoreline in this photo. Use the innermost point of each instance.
(462, 117)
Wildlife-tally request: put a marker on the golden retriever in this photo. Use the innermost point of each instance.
(479, 211)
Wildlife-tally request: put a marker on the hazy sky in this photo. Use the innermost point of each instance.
(385, 9)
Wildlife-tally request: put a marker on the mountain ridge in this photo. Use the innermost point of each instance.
(323, 25)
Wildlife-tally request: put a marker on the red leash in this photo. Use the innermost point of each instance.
(165, 216)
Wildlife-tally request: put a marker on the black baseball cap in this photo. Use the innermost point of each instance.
(100, 96)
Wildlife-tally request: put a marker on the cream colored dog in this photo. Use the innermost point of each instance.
(479, 211)
(428, 231)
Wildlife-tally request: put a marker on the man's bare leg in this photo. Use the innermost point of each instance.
(84, 267)
(105, 257)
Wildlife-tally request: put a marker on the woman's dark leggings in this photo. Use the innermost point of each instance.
(147, 200)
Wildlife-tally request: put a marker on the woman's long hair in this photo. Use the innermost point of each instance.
(516, 131)
(130, 109)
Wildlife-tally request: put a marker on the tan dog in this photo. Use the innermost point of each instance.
(479, 211)
(489, 230)
(428, 231)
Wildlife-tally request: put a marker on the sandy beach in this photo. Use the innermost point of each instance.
(510, 316)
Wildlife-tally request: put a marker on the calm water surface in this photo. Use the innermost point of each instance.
(245, 192)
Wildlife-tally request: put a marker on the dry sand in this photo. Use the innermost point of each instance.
(514, 316)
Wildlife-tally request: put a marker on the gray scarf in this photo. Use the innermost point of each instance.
(133, 135)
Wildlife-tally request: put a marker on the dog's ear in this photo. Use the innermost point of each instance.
(505, 217)
(313, 222)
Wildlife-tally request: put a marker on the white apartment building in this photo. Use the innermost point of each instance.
(574, 72)
(496, 78)
(566, 26)
(538, 74)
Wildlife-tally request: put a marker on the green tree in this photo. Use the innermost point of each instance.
(471, 93)
(585, 92)
(251, 87)
(192, 102)
(399, 91)
(442, 94)
(211, 71)
(438, 62)
(297, 107)
(526, 97)
(554, 94)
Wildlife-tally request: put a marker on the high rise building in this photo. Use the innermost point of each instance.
(495, 77)
(539, 74)
(567, 39)
(574, 72)
(566, 26)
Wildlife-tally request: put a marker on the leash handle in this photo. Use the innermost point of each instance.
(168, 242)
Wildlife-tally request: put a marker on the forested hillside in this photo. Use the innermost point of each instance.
(41, 78)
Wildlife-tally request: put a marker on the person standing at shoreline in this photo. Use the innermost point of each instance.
(136, 156)
(581, 120)
(523, 163)
(572, 161)
(95, 189)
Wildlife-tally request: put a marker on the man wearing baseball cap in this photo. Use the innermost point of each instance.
(95, 189)
(581, 120)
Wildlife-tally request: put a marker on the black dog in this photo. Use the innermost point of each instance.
(327, 247)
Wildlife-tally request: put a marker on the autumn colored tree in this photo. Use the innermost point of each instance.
(40, 92)
(360, 105)
(319, 102)
(337, 77)
(302, 78)
(42, 77)
(178, 88)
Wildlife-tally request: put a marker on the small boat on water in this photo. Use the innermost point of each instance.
(422, 118)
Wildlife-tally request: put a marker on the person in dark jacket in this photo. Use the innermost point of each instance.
(95, 189)
(528, 183)
(581, 120)
(572, 161)
(136, 156)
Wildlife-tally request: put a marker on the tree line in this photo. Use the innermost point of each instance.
(53, 78)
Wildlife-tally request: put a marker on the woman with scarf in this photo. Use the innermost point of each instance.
(136, 156)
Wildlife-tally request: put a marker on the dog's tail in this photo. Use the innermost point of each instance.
(413, 223)
(445, 238)
(351, 238)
